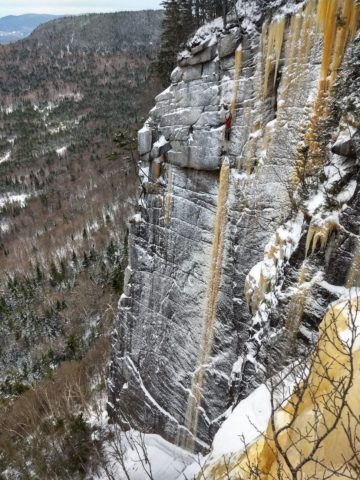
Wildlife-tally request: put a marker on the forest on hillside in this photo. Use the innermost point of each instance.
(72, 96)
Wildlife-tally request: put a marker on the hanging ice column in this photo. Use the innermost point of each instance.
(335, 35)
(207, 336)
(275, 41)
(238, 62)
(333, 23)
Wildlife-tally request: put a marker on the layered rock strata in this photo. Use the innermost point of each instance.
(220, 261)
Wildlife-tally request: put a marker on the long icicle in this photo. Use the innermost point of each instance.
(329, 28)
(274, 45)
(344, 31)
(279, 38)
(207, 338)
(238, 63)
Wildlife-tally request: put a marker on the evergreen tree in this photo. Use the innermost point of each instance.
(111, 251)
(181, 19)
(63, 268)
(74, 258)
(117, 279)
(171, 38)
(93, 256)
(55, 276)
(86, 262)
(38, 273)
(188, 19)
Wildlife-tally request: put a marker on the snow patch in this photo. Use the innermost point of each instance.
(315, 202)
(14, 198)
(243, 425)
(144, 456)
(61, 151)
(161, 142)
(347, 193)
(334, 289)
(6, 157)
(4, 226)
(137, 218)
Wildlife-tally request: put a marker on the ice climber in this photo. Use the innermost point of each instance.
(228, 123)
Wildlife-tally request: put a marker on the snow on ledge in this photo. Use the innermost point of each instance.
(6, 157)
(14, 198)
(244, 424)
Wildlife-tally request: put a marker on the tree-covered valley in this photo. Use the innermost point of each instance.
(71, 97)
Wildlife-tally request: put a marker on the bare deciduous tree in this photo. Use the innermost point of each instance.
(313, 431)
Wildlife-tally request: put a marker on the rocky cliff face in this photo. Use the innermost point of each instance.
(239, 245)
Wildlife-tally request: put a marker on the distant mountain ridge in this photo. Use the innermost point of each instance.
(106, 32)
(16, 27)
(64, 91)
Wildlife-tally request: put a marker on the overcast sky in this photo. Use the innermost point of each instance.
(18, 7)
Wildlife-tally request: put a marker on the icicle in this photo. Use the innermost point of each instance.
(274, 44)
(320, 234)
(192, 414)
(308, 25)
(309, 239)
(328, 24)
(354, 19)
(343, 33)
(322, 13)
(264, 33)
(335, 38)
(268, 57)
(279, 37)
(335, 35)
(238, 62)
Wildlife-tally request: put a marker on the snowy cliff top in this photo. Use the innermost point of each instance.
(247, 16)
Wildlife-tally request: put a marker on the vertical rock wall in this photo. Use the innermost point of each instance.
(197, 313)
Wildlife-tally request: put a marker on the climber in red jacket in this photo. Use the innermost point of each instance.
(228, 123)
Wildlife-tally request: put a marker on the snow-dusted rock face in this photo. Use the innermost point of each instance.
(236, 243)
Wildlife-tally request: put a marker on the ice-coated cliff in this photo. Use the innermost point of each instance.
(239, 246)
